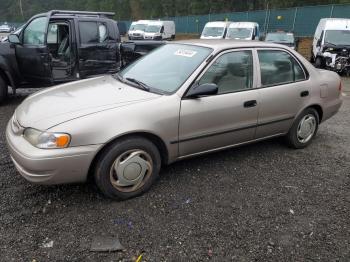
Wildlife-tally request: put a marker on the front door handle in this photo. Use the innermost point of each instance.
(304, 93)
(250, 103)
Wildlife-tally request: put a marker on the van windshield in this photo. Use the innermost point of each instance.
(280, 38)
(140, 27)
(337, 37)
(213, 31)
(165, 69)
(239, 33)
(153, 29)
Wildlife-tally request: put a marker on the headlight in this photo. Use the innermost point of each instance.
(46, 140)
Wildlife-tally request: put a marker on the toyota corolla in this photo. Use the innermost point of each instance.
(181, 100)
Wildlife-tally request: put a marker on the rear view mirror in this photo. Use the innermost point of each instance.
(13, 39)
(202, 90)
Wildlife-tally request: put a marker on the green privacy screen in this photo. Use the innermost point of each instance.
(301, 20)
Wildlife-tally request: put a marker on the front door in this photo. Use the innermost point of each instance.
(224, 119)
(33, 55)
(284, 91)
(97, 52)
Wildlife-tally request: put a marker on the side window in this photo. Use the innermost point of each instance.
(52, 34)
(34, 33)
(102, 33)
(231, 72)
(278, 67)
(88, 32)
(93, 32)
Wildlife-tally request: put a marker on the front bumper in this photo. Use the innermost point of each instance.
(49, 166)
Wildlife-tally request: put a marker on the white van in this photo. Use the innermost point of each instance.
(243, 31)
(137, 29)
(160, 30)
(215, 30)
(331, 44)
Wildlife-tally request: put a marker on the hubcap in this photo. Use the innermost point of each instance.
(131, 170)
(306, 128)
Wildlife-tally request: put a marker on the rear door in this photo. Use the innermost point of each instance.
(224, 119)
(97, 47)
(33, 55)
(284, 90)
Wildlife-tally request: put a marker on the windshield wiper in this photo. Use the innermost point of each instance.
(119, 77)
(138, 83)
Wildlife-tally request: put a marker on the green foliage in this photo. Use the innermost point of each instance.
(135, 9)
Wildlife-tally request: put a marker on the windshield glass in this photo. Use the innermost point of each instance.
(213, 31)
(239, 33)
(140, 27)
(153, 28)
(167, 67)
(338, 37)
(280, 38)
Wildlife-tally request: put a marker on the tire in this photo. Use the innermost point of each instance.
(295, 137)
(132, 157)
(318, 62)
(3, 90)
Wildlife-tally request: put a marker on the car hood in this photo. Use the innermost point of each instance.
(62, 103)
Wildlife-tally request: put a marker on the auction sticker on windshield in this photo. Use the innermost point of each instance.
(186, 53)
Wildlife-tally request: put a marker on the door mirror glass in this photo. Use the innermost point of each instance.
(14, 39)
(203, 90)
(162, 29)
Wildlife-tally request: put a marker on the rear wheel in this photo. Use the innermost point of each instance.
(3, 90)
(127, 168)
(303, 129)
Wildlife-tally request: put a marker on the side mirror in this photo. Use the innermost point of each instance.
(14, 39)
(202, 90)
(318, 42)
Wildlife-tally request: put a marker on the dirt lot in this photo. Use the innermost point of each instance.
(263, 202)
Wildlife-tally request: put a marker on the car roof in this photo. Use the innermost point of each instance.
(243, 24)
(217, 23)
(222, 44)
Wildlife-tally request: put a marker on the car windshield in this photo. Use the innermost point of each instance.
(153, 28)
(140, 27)
(280, 38)
(213, 31)
(166, 68)
(239, 33)
(337, 37)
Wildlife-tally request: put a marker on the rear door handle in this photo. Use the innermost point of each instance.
(250, 103)
(304, 93)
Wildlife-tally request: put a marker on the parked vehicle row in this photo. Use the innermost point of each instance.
(63, 46)
(181, 100)
(231, 30)
(152, 30)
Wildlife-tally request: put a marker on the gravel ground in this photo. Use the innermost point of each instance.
(262, 202)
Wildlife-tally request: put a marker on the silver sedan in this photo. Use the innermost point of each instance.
(181, 100)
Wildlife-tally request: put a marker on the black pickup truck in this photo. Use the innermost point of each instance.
(63, 46)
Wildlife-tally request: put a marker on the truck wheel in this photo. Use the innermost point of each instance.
(319, 62)
(3, 90)
(127, 168)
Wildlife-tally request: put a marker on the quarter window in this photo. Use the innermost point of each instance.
(92, 32)
(279, 67)
(34, 34)
(231, 72)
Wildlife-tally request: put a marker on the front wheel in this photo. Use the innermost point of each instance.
(303, 129)
(3, 90)
(127, 168)
(319, 62)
